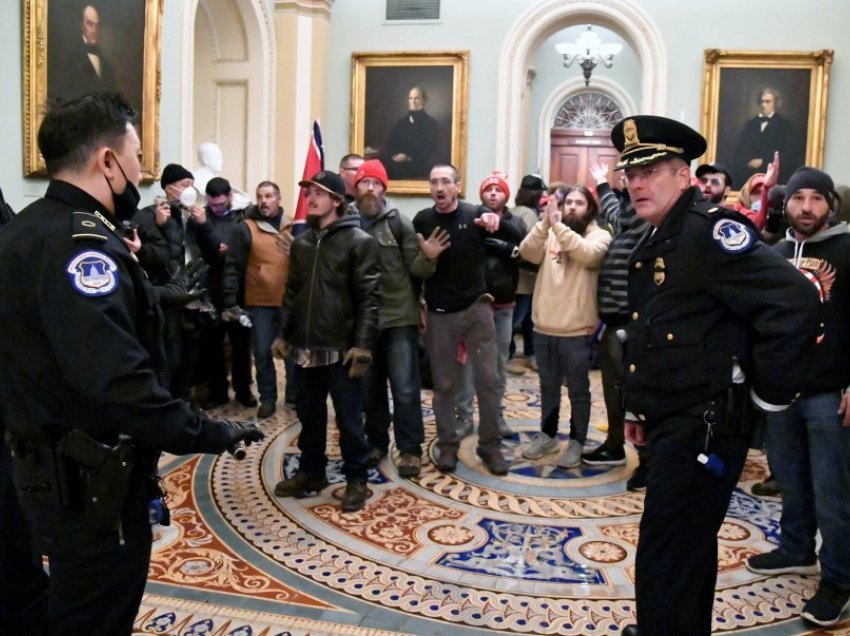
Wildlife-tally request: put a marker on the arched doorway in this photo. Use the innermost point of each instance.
(229, 70)
(544, 19)
(575, 126)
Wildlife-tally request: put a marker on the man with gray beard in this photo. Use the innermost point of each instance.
(395, 357)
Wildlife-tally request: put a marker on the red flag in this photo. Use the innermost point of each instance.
(314, 163)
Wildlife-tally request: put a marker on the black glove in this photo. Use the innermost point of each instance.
(235, 313)
(498, 247)
(184, 287)
(241, 432)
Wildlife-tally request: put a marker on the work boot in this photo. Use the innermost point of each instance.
(354, 498)
(301, 485)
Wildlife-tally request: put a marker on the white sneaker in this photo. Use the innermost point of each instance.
(571, 457)
(541, 445)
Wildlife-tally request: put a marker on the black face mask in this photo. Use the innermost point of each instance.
(126, 204)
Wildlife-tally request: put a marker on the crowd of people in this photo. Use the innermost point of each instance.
(700, 327)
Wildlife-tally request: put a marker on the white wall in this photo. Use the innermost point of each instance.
(480, 27)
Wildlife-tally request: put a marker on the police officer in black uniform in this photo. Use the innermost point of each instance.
(718, 323)
(85, 413)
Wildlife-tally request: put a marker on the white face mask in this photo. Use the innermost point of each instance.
(756, 205)
(188, 197)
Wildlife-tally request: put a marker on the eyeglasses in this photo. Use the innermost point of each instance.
(714, 181)
(644, 174)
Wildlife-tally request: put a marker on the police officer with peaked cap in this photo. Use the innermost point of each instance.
(718, 322)
(85, 413)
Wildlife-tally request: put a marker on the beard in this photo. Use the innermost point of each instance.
(577, 224)
(811, 230)
(369, 204)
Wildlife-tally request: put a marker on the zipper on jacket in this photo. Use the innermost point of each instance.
(310, 296)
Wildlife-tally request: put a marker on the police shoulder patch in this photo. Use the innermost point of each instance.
(93, 273)
(732, 236)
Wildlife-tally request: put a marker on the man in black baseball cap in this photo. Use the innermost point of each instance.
(329, 325)
(705, 333)
(715, 181)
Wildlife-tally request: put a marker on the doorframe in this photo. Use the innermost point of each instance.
(541, 20)
(562, 93)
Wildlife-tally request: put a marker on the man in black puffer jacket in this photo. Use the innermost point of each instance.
(329, 324)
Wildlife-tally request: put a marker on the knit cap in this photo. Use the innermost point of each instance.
(808, 177)
(497, 179)
(374, 169)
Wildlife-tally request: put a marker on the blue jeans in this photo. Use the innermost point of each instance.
(809, 452)
(394, 358)
(312, 408)
(503, 319)
(263, 333)
(559, 359)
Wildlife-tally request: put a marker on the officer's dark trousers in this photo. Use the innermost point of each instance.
(676, 563)
(96, 584)
(23, 582)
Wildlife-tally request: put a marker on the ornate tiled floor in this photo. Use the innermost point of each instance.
(541, 551)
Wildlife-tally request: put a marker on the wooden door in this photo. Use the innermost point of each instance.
(574, 151)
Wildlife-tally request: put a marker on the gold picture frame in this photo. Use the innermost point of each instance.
(383, 126)
(739, 86)
(57, 65)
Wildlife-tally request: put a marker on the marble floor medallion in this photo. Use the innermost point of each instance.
(543, 550)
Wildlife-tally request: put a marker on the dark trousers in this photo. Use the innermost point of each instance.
(676, 563)
(96, 579)
(610, 356)
(314, 384)
(23, 582)
(240, 358)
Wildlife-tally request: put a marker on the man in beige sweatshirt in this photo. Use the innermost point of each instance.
(569, 247)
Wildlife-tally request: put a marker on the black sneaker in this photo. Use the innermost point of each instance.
(637, 482)
(447, 460)
(604, 456)
(246, 399)
(355, 496)
(266, 409)
(214, 401)
(375, 457)
(301, 485)
(494, 460)
(826, 606)
(767, 488)
(778, 562)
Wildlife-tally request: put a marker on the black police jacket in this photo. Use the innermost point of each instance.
(81, 332)
(331, 299)
(704, 291)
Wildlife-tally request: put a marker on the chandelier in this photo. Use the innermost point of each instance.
(589, 51)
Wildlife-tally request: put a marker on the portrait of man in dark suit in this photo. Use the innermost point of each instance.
(762, 111)
(96, 46)
(768, 132)
(408, 123)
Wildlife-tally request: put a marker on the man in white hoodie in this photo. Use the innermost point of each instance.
(569, 247)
